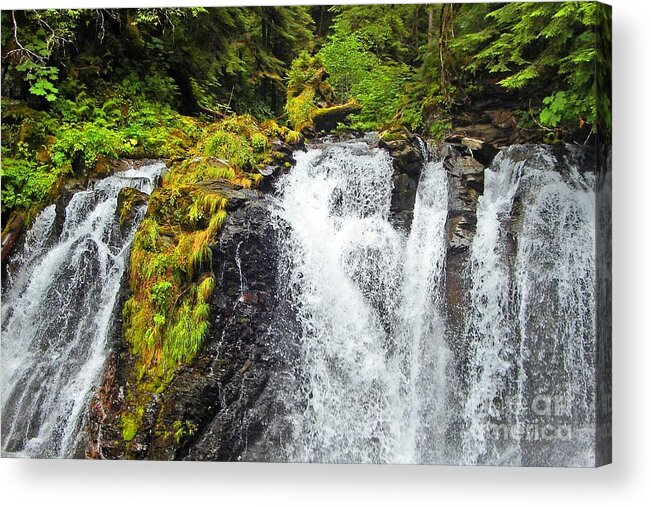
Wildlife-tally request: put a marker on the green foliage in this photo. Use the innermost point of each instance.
(357, 73)
(24, 182)
(221, 59)
(86, 142)
(564, 107)
(371, 56)
(380, 93)
(438, 129)
(41, 79)
(348, 61)
(303, 81)
(402, 63)
(550, 43)
(412, 64)
(388, 32)
(304, 73)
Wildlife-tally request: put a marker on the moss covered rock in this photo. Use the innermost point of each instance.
(167, 310)
(129, 201)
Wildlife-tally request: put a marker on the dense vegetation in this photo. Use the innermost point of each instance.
(78, 85)
(209, 89)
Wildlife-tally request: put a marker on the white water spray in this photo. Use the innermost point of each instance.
(372, 352)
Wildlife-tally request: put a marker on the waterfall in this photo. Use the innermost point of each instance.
(370, 376)
(369, 363)
(422, 346)
(489, 326)
(530, 330)
(372, 380)
(56, 315)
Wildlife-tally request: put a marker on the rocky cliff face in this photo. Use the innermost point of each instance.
(204, 412)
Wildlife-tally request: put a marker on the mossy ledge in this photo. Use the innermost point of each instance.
(167, 311)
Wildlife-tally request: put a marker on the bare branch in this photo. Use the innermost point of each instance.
(22, 49)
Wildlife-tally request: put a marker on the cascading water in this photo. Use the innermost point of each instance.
(363, 337)
(489, 326)
(373, 380)
(56, 316)
(370, 377)
(421, 331)
(530, 330)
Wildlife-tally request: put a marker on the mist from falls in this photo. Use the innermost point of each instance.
(372, 376)
(57, 313)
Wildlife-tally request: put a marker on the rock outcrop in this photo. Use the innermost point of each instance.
(201, 413)
(408, 159)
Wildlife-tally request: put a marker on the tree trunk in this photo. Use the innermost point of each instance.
(430, 25)
(446, 32)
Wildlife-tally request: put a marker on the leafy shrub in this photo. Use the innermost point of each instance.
(355, 72)
(24, 182)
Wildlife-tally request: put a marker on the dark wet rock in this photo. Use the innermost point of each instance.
(402, 200)
(408, 160)
(406, 153)
(130, 200)
(283, 153)
(269, 170)
(234, 194)
(236, 359)
(11, 233)
(466, 184)
(281, 147)
(205, 411)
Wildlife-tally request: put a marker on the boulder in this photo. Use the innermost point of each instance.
(481, 150)
(129, 201)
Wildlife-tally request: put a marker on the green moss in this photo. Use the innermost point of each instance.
(398, 133)
(300, 109)
(244, 144)
(130, 422)
(182, 430)
(229, 146)
(167, 316)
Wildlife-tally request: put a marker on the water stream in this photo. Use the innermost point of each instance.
(368, 374)
(57, 312)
